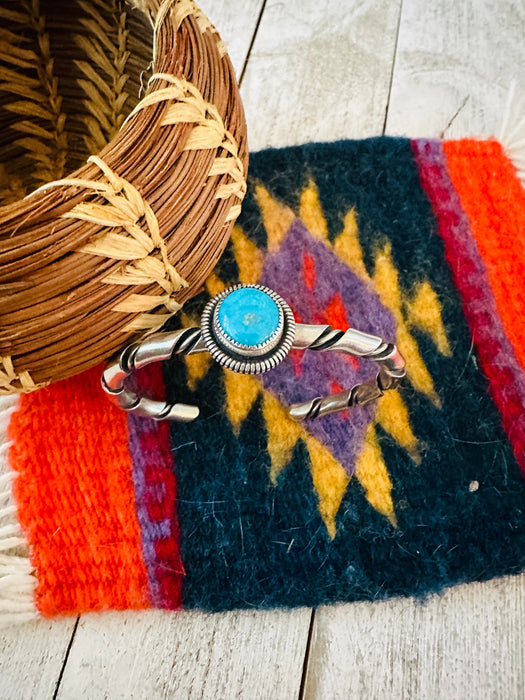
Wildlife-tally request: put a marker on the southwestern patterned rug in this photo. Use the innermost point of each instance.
(420, 242)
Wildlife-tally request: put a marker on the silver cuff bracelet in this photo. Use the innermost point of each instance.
(250, 329)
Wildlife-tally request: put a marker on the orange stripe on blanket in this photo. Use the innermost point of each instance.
(76, 499)
(494, 201)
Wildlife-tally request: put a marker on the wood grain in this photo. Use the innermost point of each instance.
(319, 71)
(31, 657)
(454, 67)
(248, 654)
(467, 644)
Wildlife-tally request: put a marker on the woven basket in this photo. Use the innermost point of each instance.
(89, 260)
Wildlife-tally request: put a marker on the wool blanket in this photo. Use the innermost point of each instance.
(421, 242)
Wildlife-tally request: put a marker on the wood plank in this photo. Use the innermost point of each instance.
(251, 654)
(319, 71)
(31, 657)
(469, 643)
(454, 66)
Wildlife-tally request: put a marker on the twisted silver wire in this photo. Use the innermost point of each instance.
(155, 348)
(351, 342)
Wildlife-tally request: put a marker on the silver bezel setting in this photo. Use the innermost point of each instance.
(241, 358)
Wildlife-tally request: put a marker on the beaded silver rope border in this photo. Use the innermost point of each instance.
(233, 356)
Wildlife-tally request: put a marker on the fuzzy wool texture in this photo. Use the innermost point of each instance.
(76, 499)
(246, 508)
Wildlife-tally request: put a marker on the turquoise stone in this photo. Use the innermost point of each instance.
(248, 316)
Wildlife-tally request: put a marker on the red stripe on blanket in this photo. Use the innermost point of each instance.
(487, 267)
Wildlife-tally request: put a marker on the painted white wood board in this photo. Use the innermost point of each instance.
(465, 645)
(31, 657)
(456, 62)
(319, 71)
(248, 654)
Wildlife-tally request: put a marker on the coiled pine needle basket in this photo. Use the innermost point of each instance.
(140, 103)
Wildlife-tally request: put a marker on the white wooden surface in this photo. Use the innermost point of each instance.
(32, 657)
(320, 71)
(469, 643)
(455, 62)
(255, 654)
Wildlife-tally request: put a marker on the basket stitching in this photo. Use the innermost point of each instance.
(40, 103)
(12, 382)
(208, 132)
(113, 202)
(126, 208)
(11, 186)
(106, 97)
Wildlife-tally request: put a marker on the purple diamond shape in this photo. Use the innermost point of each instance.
(318, 286)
